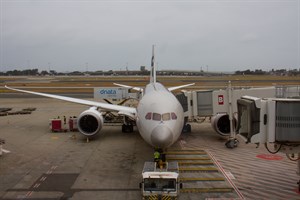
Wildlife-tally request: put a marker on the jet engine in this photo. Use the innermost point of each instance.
(221, 124)
(90, 122)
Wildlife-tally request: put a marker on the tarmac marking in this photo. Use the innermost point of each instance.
(181, 143)
(54, 167)
(226, 176)
(269, 157)
(5, 151)
(188, 159)
(210, 169)
(50, 171)
(201, 179)
(29, 193)
(229, 174)
(185, 153)
(195, 163)
(43, 178)
(36, 185)
(205, 190)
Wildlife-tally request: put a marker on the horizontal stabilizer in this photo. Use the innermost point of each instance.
(130, 87)
(181, 86)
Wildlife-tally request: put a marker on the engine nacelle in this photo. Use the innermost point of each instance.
(221, 124)
(90, 122)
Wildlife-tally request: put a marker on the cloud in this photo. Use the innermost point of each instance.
(249, 37)
(108, 34)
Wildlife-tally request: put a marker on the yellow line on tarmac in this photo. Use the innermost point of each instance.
(174, 158)
(198, 169)
(202, 179)
(205, 190)
(185, 153)
(195, 163)
(191, 150)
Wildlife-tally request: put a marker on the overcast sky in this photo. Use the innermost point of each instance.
(220, 35)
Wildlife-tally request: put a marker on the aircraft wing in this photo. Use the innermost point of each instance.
(128, 111)
(181, 86)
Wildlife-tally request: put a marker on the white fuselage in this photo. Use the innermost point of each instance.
(159, 116)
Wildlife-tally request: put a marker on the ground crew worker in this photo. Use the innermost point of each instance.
(156, 156)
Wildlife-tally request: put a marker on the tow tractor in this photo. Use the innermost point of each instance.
(160, 180)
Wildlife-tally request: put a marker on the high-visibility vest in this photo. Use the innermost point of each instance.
(156, 155)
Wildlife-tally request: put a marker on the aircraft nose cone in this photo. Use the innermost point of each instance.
(161, 137)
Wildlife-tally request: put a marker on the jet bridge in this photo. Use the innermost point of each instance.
(221, 105)
(274, 122)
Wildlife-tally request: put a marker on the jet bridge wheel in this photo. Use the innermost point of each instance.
(232, 143)
(127, 128)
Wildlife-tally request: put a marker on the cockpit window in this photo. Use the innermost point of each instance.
(160, 117)
(166, 117)
(174, 116)
(148, 116)
(156, 117)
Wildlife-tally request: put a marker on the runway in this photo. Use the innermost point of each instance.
(46, 165)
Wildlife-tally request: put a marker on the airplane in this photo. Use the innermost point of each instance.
(159, 116)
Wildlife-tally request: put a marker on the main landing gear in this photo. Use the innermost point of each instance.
(187, 128)
(127, 128)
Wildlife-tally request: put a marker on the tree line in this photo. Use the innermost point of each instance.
(281, 72)
(35, 72)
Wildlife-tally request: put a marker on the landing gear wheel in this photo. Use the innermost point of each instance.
(131, 128)
(187, 128)
(124, 128)
(127, 128)
(232, 143)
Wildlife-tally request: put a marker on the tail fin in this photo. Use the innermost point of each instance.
(153, 68)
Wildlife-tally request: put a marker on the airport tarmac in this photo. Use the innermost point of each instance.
(46, 165)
